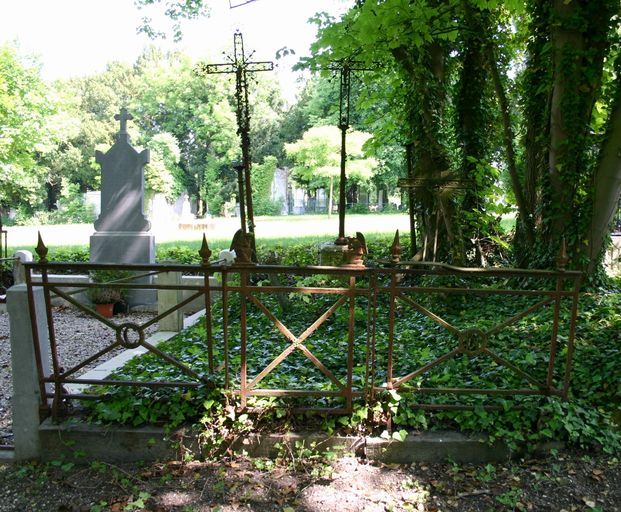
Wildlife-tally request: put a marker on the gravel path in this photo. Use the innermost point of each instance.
(78, 336)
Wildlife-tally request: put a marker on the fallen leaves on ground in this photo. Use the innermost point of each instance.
(571, 482)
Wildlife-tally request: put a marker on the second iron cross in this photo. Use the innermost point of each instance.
(240, 65)
(344, 68)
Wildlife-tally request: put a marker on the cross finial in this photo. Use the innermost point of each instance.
(124, 116)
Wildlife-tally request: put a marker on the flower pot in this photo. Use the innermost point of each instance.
(106, 310)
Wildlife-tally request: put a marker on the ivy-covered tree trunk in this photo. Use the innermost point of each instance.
(607, 185)
(425, 73)
(537, 80)
(561, 84)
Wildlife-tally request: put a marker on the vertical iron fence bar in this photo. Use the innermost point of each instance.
(56, 404)
(225, 328)
(36, 340)
(391, 328)
(554, 339)
(369, 373)
(205, 253)
(243, 274)
(571, 338)
(208, 320)
(350, 341)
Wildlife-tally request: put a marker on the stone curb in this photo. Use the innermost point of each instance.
(119, 444)
(7, 456)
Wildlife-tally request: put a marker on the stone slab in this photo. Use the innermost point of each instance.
(119, 444)
(7, 456)
(112, 444)
(436, 447)
(125, 247)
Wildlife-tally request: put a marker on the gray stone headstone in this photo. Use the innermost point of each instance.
(280, 182)
(122, 229)
(299, 196)
(122, 184)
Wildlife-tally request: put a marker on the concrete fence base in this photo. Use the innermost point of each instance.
(123, 444)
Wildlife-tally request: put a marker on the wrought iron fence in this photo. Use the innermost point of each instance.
(325, 336)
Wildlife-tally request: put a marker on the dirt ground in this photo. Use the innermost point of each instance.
(565, 481)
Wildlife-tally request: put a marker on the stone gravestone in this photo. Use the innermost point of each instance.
(299, 196)
(279, 189)
(122, 230)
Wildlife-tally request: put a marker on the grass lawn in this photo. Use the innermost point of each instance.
(269, 230)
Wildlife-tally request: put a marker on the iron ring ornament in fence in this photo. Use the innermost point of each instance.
(354, 332)
(124, 335)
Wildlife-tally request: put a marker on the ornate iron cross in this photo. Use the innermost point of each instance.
(344, 68)
(412, 184)
(240, 65)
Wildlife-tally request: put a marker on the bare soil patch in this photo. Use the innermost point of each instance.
(570, 481)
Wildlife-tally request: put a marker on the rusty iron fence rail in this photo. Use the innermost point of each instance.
(364, 312)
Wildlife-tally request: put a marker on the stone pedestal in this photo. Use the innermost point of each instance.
(122, 247)
(167, 299)
(126, 247)
(27, 398)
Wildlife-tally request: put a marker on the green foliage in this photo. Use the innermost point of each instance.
(77, 254)
(526, 87)
(162, 173)
(317, 157)
(176, 10)
(106, 294)
(178, 254)
(175, 100)
(262, 177)
(24, 111)
(71, 209)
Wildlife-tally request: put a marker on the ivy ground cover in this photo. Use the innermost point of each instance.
(418, 342)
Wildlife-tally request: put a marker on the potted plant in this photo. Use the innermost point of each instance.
(105, 297)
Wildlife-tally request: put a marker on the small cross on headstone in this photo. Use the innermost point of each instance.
(124, 116)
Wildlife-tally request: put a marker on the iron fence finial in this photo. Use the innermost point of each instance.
(204, 251)
(41, 249)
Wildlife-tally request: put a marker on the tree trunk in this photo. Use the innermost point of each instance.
(578, 52)
(607, 185)
(525, 217)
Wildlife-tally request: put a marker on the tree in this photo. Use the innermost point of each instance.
(162, 173)
(456, 73)
(194, 109)
(87, 106)
(317, 157)
(24, 112)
